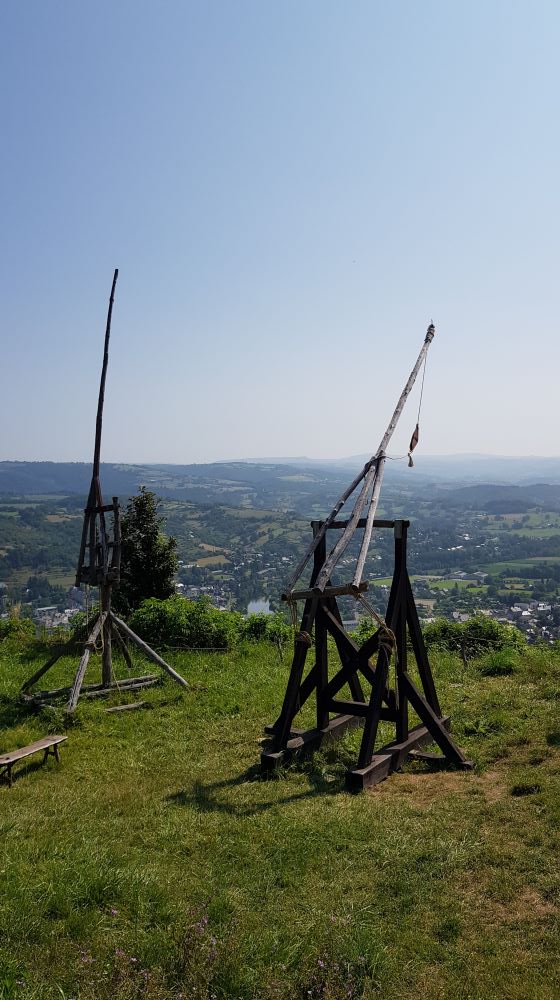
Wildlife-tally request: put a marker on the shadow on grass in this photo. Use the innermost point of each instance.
(22, 772)
(13, 711)
(204, 796)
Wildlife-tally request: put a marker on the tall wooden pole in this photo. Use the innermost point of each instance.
(95, 499)
(101, 398)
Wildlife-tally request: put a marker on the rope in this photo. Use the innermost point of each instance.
(99, 644)
(292, 605)
(422, 386)
(299, 636)
(387, 638)
(416, 433)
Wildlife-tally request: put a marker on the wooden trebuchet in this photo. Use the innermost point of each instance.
(99, 566)
(366, 663)
(369, 662)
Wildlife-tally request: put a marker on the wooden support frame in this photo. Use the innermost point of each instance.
(99, 563)
(369, 663)
(106, 622)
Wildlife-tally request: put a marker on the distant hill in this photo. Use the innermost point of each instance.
(300, 485)
(240, 484)
(499, 499)
(473, 468)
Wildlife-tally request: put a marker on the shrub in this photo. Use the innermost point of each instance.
(199, 625)
(255, 626)
(266, 628)
(21, 629)
(499, 663)
(177, 622)
(365, 629)
(277, 630)
(475, 637)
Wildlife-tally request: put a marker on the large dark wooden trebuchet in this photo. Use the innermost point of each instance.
(99, 563)
(369, 662)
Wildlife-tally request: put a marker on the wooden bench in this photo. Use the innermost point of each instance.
(49, 744)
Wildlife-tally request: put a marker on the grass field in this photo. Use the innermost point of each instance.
(154, 863)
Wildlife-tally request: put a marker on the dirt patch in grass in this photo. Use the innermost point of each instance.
(425, 787)
(528, 906)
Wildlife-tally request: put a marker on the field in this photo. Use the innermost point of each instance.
(154, 863)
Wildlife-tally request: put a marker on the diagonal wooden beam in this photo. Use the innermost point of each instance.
(82, 666)
(433, 723)
(61, 651)
(420, 652)
(148, 651)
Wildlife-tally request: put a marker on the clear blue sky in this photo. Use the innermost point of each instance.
(292, 191)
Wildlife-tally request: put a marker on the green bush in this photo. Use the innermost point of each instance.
(199, 625)
(266, 628)
(277, 630)
(255, 626)
(475, 637)
(177, 622)
(499, 663)
(16, 628)
(365, 629)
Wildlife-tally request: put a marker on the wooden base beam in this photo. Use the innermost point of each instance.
(307, 741)
(392, 756)
(91, 689)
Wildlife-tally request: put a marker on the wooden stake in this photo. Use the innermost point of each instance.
(106, 658)
(90, 645)
(148, 651)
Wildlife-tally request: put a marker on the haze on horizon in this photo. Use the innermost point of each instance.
(291, 193)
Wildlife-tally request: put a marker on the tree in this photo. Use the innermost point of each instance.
(148, 557)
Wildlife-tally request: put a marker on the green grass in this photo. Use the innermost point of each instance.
(154, 863)
(515, 564)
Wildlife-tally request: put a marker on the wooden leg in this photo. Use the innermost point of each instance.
(433, 724)
(122, 646)
(61, 651)
(321, 667)
(374, 714)
(148, 651)
(290, 704)
(106, 656)
(420, 652)
(82, 667)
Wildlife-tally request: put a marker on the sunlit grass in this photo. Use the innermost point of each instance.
(154, 863)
